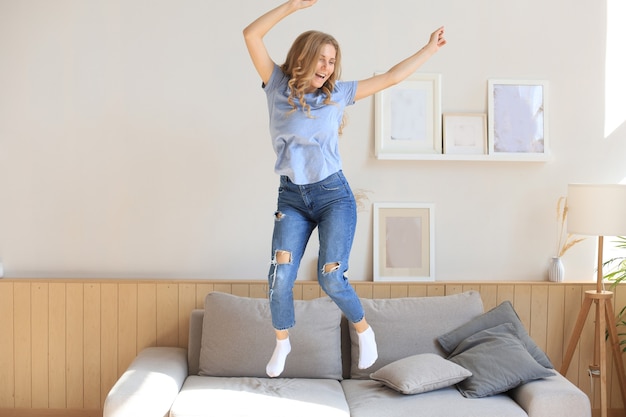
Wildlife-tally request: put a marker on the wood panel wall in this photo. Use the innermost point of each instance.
(64, 343)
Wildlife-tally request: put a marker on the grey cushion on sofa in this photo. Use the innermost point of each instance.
(420, 373)
(503, 313)
(498, 361)
(238, 338)
(409, 326)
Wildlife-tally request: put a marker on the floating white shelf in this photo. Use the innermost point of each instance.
(509, 157)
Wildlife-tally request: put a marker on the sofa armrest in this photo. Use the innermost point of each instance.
(552, 396)
(150, 384)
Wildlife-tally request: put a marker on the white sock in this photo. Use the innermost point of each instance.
(368, 353)
(277, 363)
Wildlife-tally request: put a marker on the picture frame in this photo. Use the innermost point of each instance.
(518, 118)
(404, 242)
(408, 118)
(465, 133)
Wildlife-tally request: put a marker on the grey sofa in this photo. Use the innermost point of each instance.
(438, 356)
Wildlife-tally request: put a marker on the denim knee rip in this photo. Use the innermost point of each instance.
(331, 267)
(275, 262)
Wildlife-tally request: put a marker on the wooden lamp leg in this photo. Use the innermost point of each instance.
(604, 320)
(600, 329)
(578, 328)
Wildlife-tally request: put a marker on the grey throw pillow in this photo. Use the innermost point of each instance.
(420, 373)
(238, 338)
(497, 360)
(504, 313)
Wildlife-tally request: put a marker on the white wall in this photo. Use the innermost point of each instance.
(134, 140)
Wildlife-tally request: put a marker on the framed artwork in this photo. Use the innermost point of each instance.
(465, 133)
(404, 237)
(518, 117)
(408, 118)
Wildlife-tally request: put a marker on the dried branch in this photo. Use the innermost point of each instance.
(564, 241)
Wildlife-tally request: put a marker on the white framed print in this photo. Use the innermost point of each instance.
(518, 118)
(408, 118)
(465, 133)
(404, 242)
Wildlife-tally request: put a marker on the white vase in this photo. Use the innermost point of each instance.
(556, 271)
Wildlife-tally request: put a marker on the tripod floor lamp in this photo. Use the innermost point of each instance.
(598, 210)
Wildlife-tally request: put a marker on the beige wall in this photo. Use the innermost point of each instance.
(134, 141)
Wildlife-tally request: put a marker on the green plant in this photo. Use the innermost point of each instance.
(620, 321)
(617, 273)
(617, 265)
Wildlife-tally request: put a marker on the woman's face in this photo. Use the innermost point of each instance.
(325, 66)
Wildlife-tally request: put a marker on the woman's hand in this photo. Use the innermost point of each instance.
(437, 39)
(302, 4)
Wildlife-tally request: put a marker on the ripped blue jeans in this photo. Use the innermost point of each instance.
(328, 205)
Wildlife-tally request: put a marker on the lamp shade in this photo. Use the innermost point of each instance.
(596, 209)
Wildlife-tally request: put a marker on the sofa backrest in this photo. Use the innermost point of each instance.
(195, 343)
(403, 327)
(238, 338)
(411, 326)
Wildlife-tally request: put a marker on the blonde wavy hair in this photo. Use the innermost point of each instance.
(300, 66)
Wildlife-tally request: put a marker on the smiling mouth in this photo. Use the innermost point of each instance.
(320, 76)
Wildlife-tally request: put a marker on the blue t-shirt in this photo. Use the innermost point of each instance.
(307, 147)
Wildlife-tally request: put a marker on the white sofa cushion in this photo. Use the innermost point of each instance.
(238, 338)
(260, 397)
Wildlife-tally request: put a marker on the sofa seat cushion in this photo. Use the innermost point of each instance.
(409, 326)
(238, 338)
(260, 397)
(369, 398)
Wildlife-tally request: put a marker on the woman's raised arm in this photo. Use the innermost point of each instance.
(402, 70)
(256, 31)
